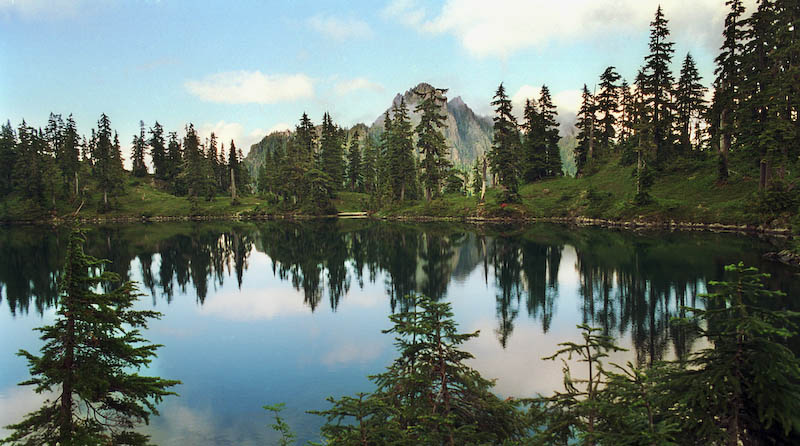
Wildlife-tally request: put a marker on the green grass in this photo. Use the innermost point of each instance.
(688, 192)
(351, 202)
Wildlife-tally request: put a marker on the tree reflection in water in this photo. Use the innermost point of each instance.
(627, 282)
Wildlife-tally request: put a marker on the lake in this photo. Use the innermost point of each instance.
(269, 312)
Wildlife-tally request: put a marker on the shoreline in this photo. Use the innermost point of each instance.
(579, 221)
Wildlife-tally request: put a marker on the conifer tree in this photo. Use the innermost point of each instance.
(234, 170)
(690, 102)
(174, 164)
(627, 111)
(400, 152)
(104, 159)
(369, 167)
(746, 384)
(728, 72)
(477, 178)
(428, 395)
(574, 412)
(607, 102)
(504, 155)
(158, 151)
(658, 86)
(430, 141)
(89, 360)
(69, 155)
(550, 136)
(299, 160)
(8, 157)
(331, 153)
(212, 158)
(355, 177)
(585, 125)
(196, 171)
(534, 150)
(139, 147)
(786, 56)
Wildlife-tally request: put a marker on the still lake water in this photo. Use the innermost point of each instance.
(261, 313)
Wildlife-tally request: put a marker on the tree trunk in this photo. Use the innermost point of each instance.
(639, 171)
(483, 182)
(105, 199)
(590, 152)
(76, 184)
(233, 186)
(65, 427)
(725, 145)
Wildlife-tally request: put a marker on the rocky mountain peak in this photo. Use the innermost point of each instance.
(457, 102)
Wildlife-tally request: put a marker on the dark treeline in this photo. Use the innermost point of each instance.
(662, 120)
(628, 284)
(43, 167)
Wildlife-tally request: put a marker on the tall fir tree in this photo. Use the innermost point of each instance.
(89, 361)
(370, 165)
(8, 157)
(139, 147)
(549, 113)
(585, 124)
(104, 159)
(331, 154)
(626, 111)
(690, 102)
(727, 82)
(69, 157)
(195, 172)
(212, 158)
(400, 152)
(430, 140)
(174, 164)
(607, 102)
(658, 86)
(355, 176)
(533, 145)
(158, 151)
(504, 156)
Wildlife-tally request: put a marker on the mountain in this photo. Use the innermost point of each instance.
(467, 134)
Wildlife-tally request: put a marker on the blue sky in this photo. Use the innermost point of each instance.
(244, 68)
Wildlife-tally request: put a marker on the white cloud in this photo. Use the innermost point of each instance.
(279, 127)
(566, 101)
(252, 305)
(502, 27)
(408, 12)
(340, 28)
(245, 87)
(524, 93)
(359, 83)
(42, 9)
(227, 131)
(352, 352)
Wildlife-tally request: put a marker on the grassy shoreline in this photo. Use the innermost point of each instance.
(687, 197)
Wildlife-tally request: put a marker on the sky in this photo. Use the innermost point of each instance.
(245, 68)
